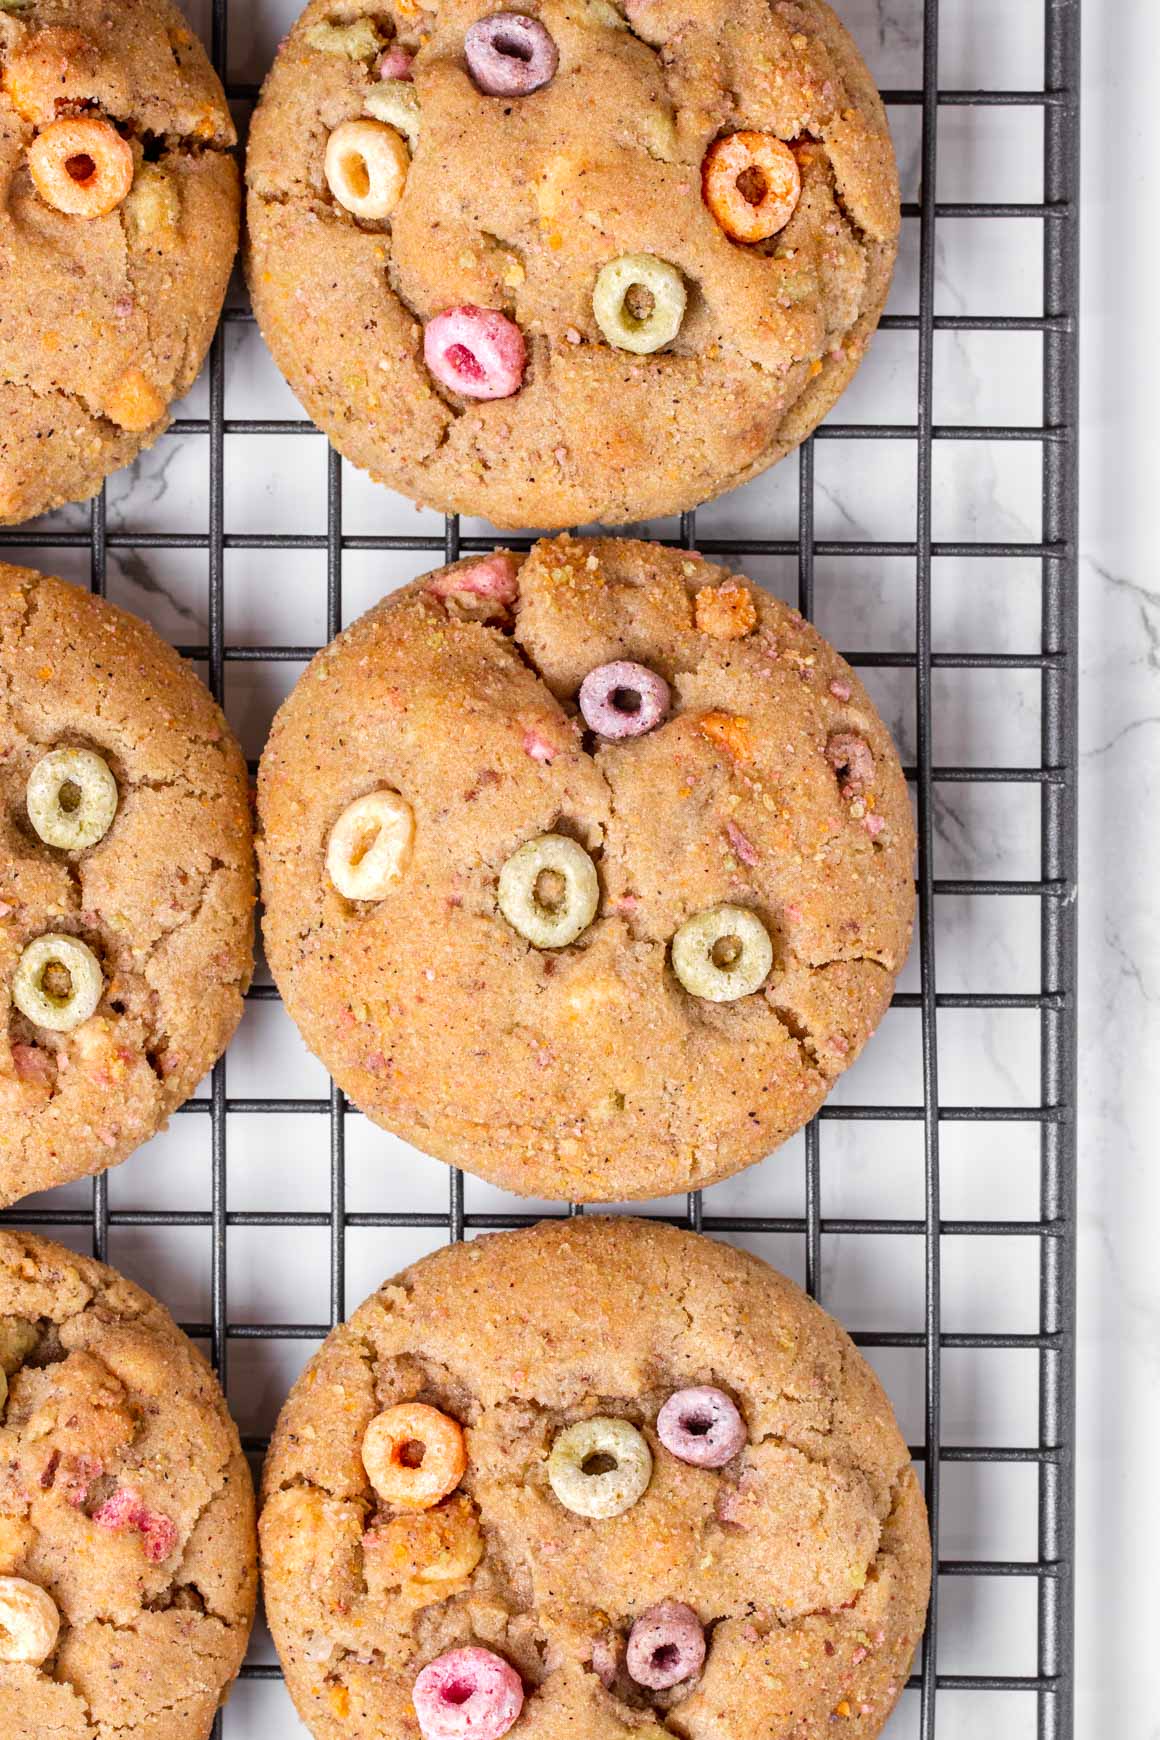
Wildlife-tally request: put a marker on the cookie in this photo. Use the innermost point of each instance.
(126, 883)
(119, 205)
(755, 1562)
(588, 872)
(127, 1548)
(587, 262)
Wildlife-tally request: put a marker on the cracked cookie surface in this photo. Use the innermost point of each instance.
(517, 204)
(805, 1558)
(588, 1071)
(164, 899)
(104, 321)
(124, 1494)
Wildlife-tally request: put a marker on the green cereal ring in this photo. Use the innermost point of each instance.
(602, 1491)
(722, 953)
(548, 891)
(71, 798)
(616, 281)
(58, 982)
(396, 102)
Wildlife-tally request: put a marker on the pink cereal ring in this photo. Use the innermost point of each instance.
(623, 699)
(476, 352)
(665, 1646)
(493, 577)
(701, 1426)
(396, 63)
(467, 1694)
(510, 55)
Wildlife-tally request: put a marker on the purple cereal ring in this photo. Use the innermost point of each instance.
(510, 55)
(623, 699)
(665, 1646)
(701, 1426)
(476, 352)
(395, 63)
(467, 1694)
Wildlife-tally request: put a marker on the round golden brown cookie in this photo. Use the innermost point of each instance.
(804, 1557)
(589, 1070)
(517, 204)
(126, 1511)
(106, 312)
(160, 903)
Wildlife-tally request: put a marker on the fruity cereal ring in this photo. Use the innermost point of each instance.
(413, 1455)
(560, 197)
(752, 185)
(81, 166)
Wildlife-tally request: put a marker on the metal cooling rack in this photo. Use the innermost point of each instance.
(1050, 895)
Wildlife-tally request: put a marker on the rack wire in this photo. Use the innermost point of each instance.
(1052, 891)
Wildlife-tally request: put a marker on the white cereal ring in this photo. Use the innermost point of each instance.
(29, 1621)
(81, 166)
(722, 954)
(71, 798)
(654, 286)
(366, 166)
(548, 891)
(602, 1490)
(370, 845)
(58, 982)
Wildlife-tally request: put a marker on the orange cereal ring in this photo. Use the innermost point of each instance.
(81, 166)
(751, 184)
(413, 1455)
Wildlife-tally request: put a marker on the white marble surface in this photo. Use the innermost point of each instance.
(1119, 1185)
(982, 492)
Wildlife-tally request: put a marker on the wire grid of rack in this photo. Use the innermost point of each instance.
(1052, 1343)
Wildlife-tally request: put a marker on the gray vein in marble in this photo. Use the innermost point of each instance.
(139, 576)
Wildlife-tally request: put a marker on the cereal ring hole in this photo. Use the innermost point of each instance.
(665, 1657)
(457, 1692)
(69, 796)
(512, 47)
(626, 701)
(410, 1453)
(639, 302)
(697, 1425)
(81, 168)
(56, 982)
(600, 1462)
(725, 953)
(551, 890)
(752, 184)
(465, 363)
(364, 842)
(358, 176)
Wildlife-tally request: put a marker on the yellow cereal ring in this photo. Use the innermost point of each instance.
(366, 168)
